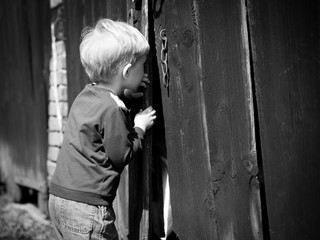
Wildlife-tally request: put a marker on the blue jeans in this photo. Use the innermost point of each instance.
(74, 220)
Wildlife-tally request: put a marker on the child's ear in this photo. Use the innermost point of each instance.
(125, 71)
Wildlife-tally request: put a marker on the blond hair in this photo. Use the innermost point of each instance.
(109, 44)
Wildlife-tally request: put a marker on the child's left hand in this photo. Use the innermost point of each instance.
(137, 92)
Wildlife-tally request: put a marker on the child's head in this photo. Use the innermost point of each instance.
(109, 45)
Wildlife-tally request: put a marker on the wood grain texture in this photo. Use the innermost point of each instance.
(209, 123)
(25, 47)
(147, 159)
(285, 49)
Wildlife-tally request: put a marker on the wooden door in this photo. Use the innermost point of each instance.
(285, 40)
(209, 122)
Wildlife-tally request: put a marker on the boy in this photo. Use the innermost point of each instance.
(100, 138)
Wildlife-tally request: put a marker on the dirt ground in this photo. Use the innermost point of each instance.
(23, 221)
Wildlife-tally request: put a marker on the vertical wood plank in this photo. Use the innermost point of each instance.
(40, 51)
(74, 25)
(145, 229)
(286, 52)
(25, 45)
(209, 121)
(117, 10)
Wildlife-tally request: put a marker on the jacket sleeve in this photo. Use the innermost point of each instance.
(121, 140)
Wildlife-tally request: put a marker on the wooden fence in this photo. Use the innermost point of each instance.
(242, 106)
(235, 85)
(24, 71)
(285, 43)
(210, 126)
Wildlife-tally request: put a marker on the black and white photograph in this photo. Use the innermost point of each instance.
(159, 120)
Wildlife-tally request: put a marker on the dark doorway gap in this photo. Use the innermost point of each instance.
(159, 149)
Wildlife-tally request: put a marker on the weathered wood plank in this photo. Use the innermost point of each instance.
(158, 165)
(74, 25)
(209, 121)
(147, 153)
(25, 44)
(117, 10)
(286, 52)
(135, 167)
(40, 51)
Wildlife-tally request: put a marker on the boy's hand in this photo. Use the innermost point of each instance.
(137, 92)
(145, 119)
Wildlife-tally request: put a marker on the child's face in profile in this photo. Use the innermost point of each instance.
(136, 73)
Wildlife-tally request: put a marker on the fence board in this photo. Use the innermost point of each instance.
(209, 121)
(286, 53)
(25, 41)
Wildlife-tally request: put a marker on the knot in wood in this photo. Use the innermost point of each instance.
(188, 38)
(248, 165)
(175, 34)
(218, 170)
(174, 58)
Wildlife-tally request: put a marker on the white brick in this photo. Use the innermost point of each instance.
(61, 63)
(62, 93)
(54, 139)
(63, 109)
(54, 3)
(53, 153)
(61, 78)
(54, 124)
(51, 166)
(60, 48)
(49, 180)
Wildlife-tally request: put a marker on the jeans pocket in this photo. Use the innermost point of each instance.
(77, 217)
(109, 214)
(108, 229)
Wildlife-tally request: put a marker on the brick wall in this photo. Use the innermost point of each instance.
(58, 104)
